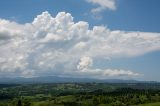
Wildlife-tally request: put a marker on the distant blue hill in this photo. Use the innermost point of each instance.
(55, 79)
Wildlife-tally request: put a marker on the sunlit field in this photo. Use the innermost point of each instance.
(80, 94)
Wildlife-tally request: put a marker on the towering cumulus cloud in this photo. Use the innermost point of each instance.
(59, 46)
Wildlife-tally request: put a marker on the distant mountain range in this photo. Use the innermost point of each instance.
(55, 79)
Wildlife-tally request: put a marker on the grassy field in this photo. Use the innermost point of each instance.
(151, 104)
(80, 94)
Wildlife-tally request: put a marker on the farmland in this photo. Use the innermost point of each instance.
(80, 94)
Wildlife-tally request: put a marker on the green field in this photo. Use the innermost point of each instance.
(151, 104)
(80, 94)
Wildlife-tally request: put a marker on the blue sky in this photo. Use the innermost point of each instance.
(129, 16)
(137, 15)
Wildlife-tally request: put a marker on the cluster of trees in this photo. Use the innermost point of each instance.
(120, 97)
(61, 95)
(17, 102)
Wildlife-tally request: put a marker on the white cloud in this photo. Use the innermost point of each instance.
(85, 67)
(85, 63)
(102, 5)
(59, 46)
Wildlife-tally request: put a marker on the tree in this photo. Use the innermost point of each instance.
(19, 103)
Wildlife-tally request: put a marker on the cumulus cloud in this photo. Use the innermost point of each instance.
(59, 46)
(85, 67)
(84, 63)
(102, 5)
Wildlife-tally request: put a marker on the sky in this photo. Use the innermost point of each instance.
(104, 39)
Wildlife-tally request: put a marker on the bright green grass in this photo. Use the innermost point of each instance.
(151, 104)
